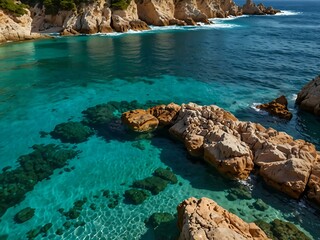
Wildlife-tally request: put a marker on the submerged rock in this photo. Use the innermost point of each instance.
(281, 230)
(154, 184)
(24, 215)
(34, 167)
(136, 196)
(158, 218)
(260, 205)
(166, 174)
(71, 132)
(277, 107)
(309, 97)
(241, 192)
(205, 219)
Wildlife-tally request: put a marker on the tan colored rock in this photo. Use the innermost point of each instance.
(91, 18)
(69, 32)
(119, 24)
(309, 97)
(314, 182)
(156, 12)
(177, 22)
(166, 114)
(13, 28)
(186, 9)
(277, 107)
(233, 147)
(138, 25)
(228, 155)
(251, 8)
(289, 176)
(139, 120)
(205, 219)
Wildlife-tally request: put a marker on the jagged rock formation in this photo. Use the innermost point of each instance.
(251, 8)
(277, 107)
(309, 97)
(101, 17)
(205, 219)
(234, 147)
(14, 28)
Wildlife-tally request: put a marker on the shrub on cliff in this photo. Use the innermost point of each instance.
(54, 6)
(120, 4)
(13, 7)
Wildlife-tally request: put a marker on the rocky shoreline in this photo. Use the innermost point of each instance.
(101, 17)
(237, 148)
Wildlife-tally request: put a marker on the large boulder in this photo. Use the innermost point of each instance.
(140, 120)
(228, 154)
(205, 219)
(314, 182)
(309, 97)
(277, 107)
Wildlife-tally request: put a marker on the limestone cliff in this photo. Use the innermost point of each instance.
(101, 16)
(14, 28)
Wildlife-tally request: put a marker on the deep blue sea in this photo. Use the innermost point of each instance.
(234, 63)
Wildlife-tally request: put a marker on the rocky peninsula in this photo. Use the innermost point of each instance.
(236, 148)
(105, 16)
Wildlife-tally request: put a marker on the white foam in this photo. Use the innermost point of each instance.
(287, 13)
(294, 97)
(254, 106)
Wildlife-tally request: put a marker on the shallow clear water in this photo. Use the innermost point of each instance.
(235, 64)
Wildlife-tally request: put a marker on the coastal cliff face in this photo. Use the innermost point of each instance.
(205, 219)
(14, 28)
(235, 147)
(102, 17)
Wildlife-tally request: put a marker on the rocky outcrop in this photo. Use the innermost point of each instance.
(251, 8)
(140, 120)
(187, 9)
(14, 28)
(277, 107)
(205, 219)
(314, 182)
(234, 147)
(89, 19)
(309, 97)
(101, 17)
(156, 12)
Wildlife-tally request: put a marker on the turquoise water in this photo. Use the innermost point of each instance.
(235, 64)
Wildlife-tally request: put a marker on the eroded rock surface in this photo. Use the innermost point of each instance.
(234, 147)
(309, 97)
(205, 219)
(14, 28)
(277, 107)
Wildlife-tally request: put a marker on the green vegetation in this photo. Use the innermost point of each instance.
(53, 6)
(12, 7)
(120, 4)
